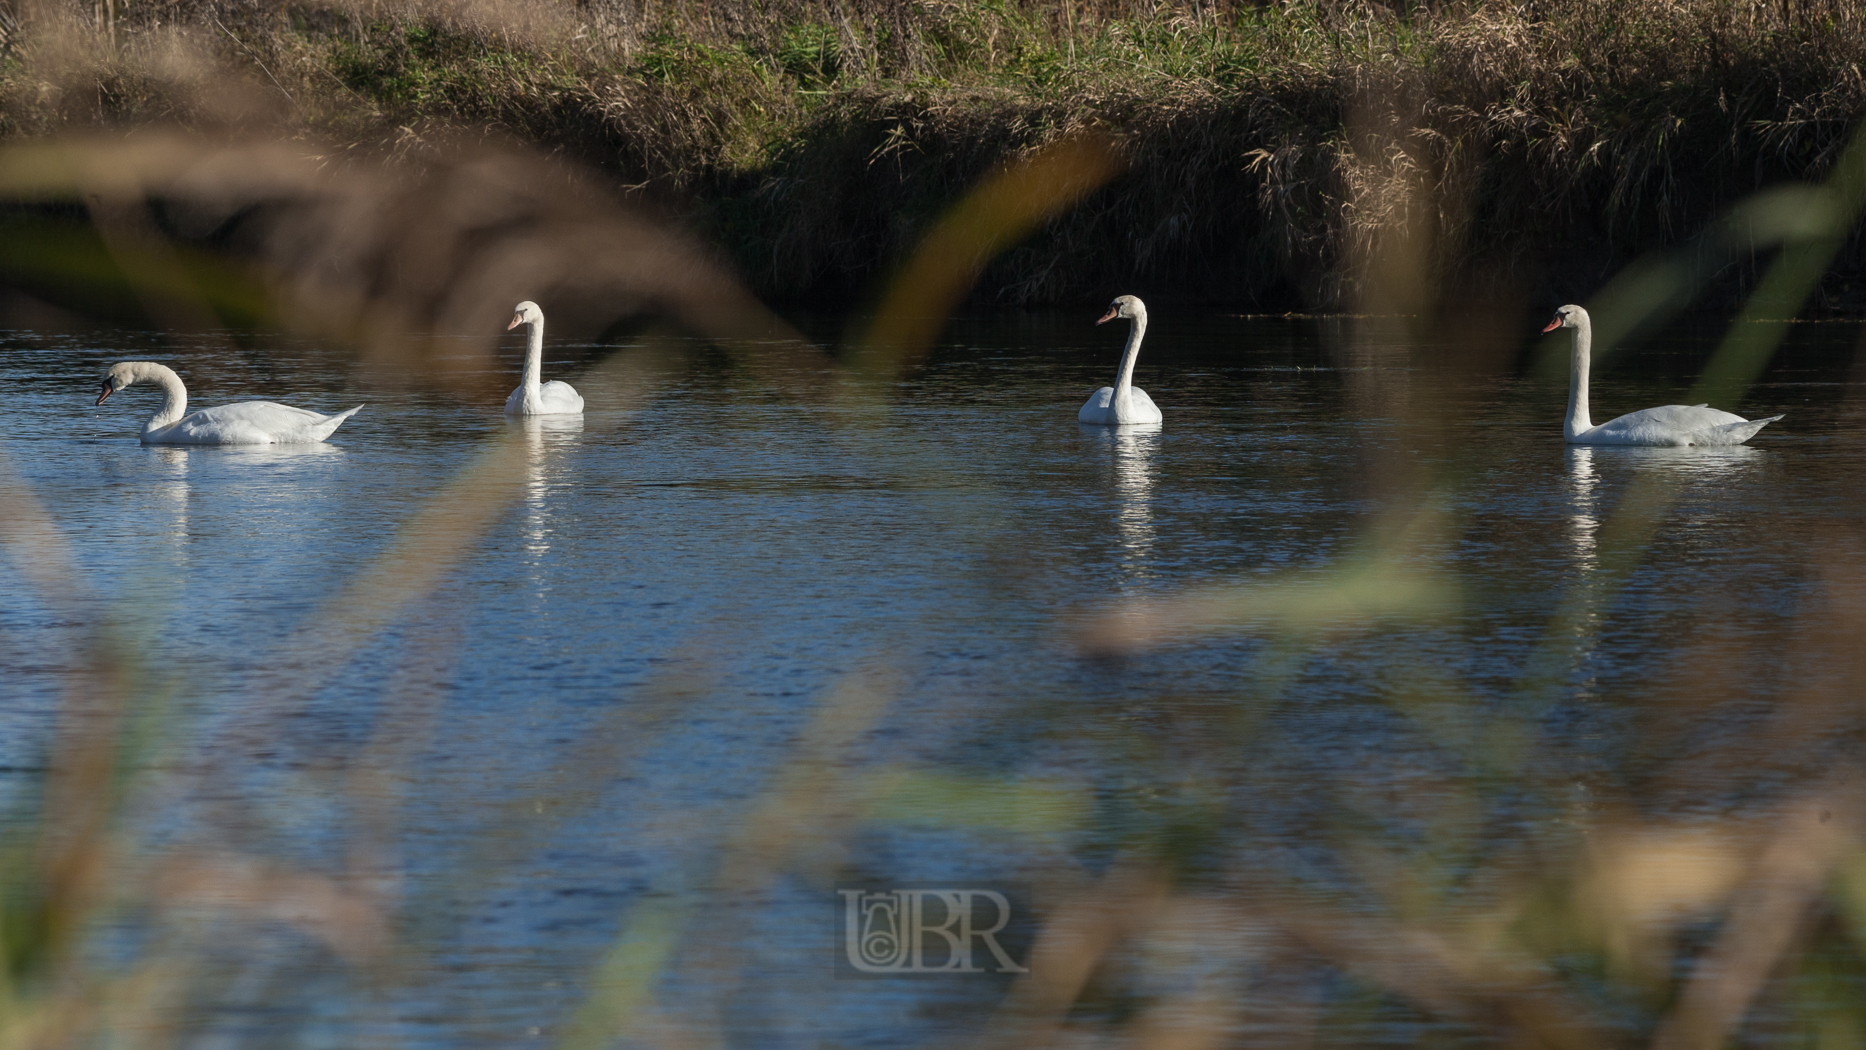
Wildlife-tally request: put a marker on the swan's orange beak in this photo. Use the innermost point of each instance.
(1552, 325)
(106, 394)
(516, 321)
(1109, 316)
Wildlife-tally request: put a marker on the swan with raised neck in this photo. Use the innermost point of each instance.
(535, 398)
(1123, 403)
(1667, 425)
(244, 423)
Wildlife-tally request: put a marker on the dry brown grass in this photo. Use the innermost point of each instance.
(1268, 149)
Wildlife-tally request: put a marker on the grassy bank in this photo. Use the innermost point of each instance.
(1273, 156)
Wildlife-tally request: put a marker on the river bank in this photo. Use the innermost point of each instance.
(1300, 157)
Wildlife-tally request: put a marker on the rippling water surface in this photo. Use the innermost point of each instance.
(741, 571)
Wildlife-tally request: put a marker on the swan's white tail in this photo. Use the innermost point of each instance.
(323, 428)
(1737, 433)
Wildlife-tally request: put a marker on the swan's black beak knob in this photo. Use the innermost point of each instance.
(107, 392)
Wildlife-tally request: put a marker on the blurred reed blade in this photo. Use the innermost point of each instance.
(355, 924)
(1658, 286)
(624, 983)
(1382, 586)
(1812, 837)
(1003, 210)
(381, 259)
(1355, 595)
(51, 897)
(33, 543)
(1809, 223)
(793, 829)
(1791, 279)
(1450, 977)
(1077, 937)
(1024, 807)
(441, 534)
(574, 783)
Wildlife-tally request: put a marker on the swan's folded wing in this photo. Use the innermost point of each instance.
(1096, 409)
(259, 413)
(250, 423)
(1678, 425)
(1682, 419)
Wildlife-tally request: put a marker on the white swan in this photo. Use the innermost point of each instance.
(1123, 403)
(533, 398)
(1670, 425)
(245, 423)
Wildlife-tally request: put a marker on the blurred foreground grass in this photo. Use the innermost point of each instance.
(1619, 923)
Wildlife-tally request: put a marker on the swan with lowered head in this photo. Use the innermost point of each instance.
(1668, 425)
(1123, 403)
(533, 398)
(245, 423)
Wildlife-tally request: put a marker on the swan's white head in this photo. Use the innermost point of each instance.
(1127, 306)
(1569, 316)
(121, 374)
(526, 312)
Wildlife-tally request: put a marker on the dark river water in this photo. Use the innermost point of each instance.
(466, 732)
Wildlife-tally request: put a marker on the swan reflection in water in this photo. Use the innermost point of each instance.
(1584, 520)
(176, 471)
(177, 460)
(1131, 449)
(171, 495)
(546, 438)
(1680, 466)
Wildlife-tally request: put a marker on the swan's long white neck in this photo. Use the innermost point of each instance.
(1124, 379)
(1578, 421)
(534, 361)
(174, 395)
